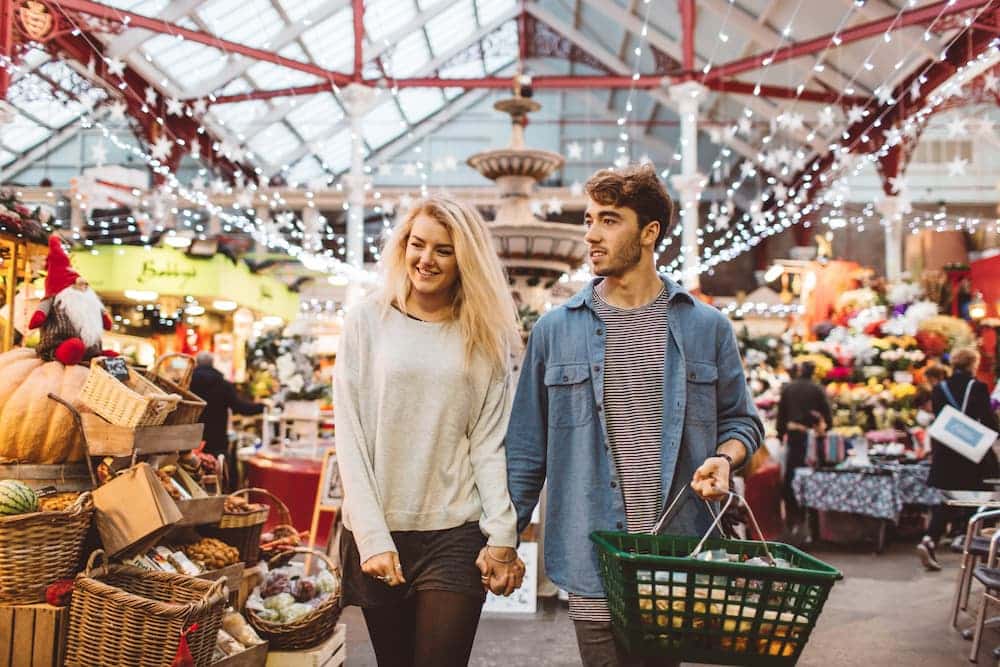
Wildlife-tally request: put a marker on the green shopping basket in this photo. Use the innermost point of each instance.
(664, 602)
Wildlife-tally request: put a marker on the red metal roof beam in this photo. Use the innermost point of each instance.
(783, 93)
(689, 14)
(132, 20)
(358, 12)
(920, 16)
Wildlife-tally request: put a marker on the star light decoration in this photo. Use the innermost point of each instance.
(958, 166)
(199, 107)
(574, 151)
(957, 128)
(597, 148)
(855, 115)
(160, 150)
(826, 117)
(117, 110)
(116, 66)
(175, 107)
(151, 95)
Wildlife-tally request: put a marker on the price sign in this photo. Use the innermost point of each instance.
(116, 367)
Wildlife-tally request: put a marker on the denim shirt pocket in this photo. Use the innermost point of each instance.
(570, 395)
(702, 378)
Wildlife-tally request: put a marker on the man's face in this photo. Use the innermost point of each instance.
(614, 239)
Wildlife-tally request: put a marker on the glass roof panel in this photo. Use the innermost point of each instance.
(409, 56)
(490, 9)
(268, 75)
(298, 9)
(499, 54)
(6, 158)
(48, 111)
(237, 86)
(240, 116)
(468, 70)
(384, 17)
(274, 140)
(332, 41)
(250, 22)
(382, 124)
(418, 103)
(452, 26)
(20, 134)
(34, 58)
(336, 151)
(144, 7)
(315, 116)
(305, 170)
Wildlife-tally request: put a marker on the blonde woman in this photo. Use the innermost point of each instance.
(422, 403)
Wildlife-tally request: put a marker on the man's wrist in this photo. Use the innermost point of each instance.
(727, 457)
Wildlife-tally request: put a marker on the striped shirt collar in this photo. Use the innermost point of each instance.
(585, 297)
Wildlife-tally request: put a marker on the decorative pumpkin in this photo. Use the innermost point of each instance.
(33, 427)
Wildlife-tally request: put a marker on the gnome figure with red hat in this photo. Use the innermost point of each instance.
(71, 316)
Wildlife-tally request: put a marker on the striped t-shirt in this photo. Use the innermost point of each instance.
(634, 355)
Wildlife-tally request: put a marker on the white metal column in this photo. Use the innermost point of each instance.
(891, 209)
(690, 182)
(358, 100)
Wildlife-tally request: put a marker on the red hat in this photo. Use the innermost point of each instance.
(60, 274)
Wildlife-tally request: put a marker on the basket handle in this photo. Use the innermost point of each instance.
(286, 515)
(97, 570)
(730, 496)
(83, 434)
(286, 554)
(84, 502)
(185, 380)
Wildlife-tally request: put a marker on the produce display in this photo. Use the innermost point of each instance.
(235, 636)
(287, 595)
(57, 502)
(17, 498)
(213, 554)
(34, 428)
(240, 505)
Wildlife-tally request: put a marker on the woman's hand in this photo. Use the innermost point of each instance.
(501, 568)
(711, 480)
(385, 567)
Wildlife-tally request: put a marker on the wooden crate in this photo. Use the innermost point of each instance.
(252, 577)
(107, 439)
(332, 653)
(255, 656)
(65, 477)
(33, 635)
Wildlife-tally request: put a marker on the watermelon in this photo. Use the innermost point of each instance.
(17, 498)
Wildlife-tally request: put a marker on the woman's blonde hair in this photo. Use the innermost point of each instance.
(482, 307)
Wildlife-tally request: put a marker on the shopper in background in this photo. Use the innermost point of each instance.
(629, 392)
(220, 397)
(949, 469)
(803, 407)
(423, 398)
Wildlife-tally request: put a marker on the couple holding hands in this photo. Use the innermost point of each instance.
(629, 391)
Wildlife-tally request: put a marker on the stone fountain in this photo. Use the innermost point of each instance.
(535, 253)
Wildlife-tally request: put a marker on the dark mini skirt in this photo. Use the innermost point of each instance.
(432, 560)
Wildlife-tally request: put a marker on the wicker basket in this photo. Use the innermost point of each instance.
(40, 548)
(243, 530)
(308, 631)
(123, 615)
(137, 402)
(190, 407)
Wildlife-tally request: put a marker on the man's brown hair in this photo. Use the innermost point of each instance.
(636, 187)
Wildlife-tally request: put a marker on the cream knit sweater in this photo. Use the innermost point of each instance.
(419, 435)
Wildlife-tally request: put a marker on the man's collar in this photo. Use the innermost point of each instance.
(585, 297)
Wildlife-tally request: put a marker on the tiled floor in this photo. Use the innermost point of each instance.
(886, 611)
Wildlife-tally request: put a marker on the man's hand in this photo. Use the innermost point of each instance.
(385, 567)
(711, 480)
(501, 568)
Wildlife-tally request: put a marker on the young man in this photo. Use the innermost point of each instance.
(628, 392)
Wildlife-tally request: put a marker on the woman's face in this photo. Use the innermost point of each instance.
(430, 257)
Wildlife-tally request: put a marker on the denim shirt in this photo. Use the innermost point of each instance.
(558, 432)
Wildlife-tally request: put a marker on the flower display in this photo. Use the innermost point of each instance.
(955, 331)
(285, 368)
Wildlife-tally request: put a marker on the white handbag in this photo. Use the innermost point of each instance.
(956, 430)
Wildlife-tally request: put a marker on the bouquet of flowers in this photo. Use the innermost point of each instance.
(955, 331)
(290, 360)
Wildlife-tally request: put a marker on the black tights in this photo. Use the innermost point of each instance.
(428, 629)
